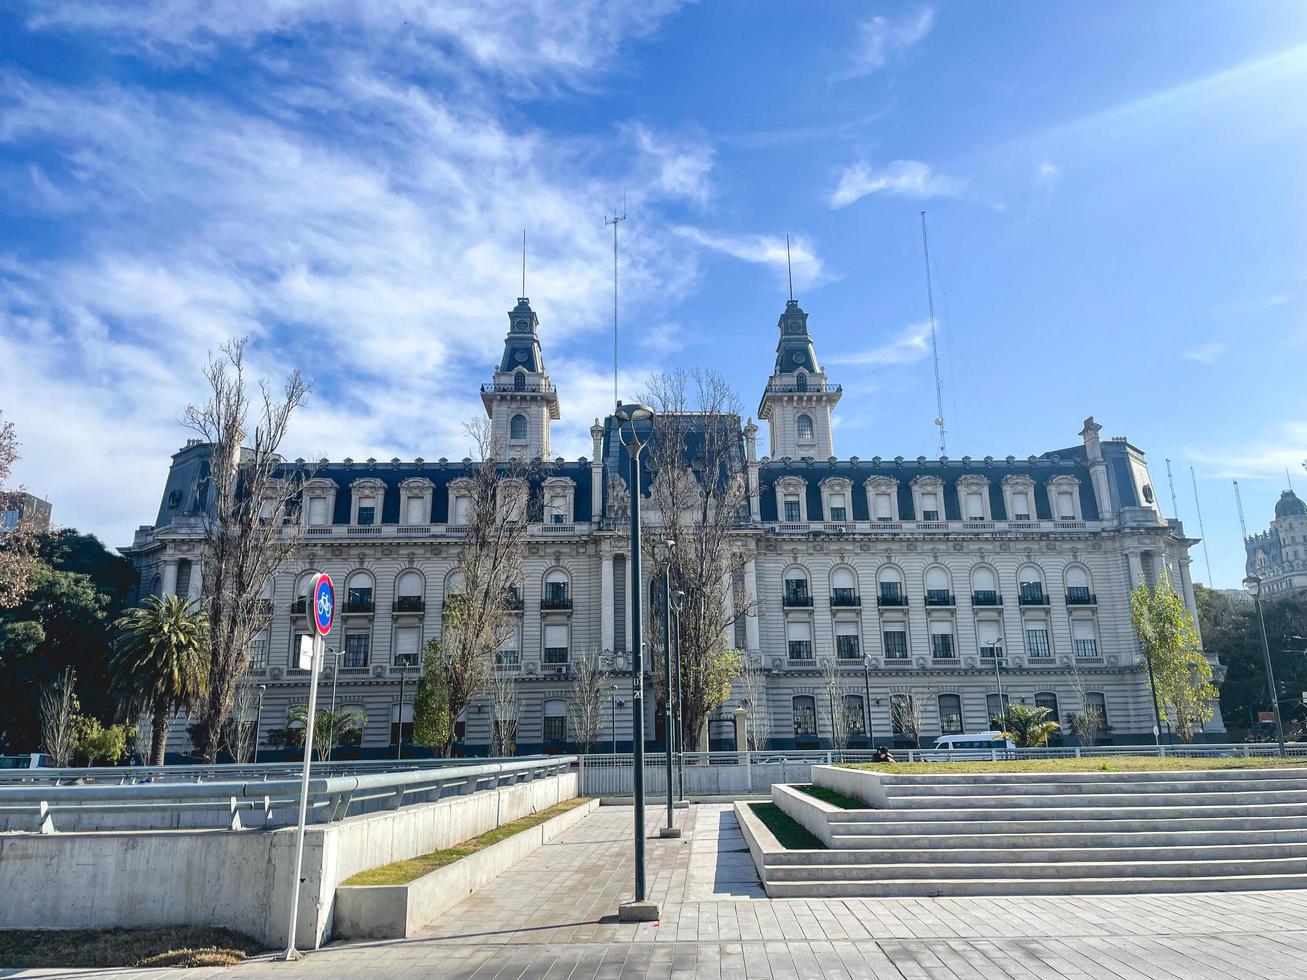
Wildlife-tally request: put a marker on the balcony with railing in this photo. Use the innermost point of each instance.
(409, 604)
(556, 599)
(1033, 595)
(845, 597)
(797, 598)
(803, 388)
(512, 599)
(1080, 596)
(358, 602)
(297, 606)
(986, 597)
(542, 387)
(800, 653)
(891, 597)
(939, 597)
(555, 657)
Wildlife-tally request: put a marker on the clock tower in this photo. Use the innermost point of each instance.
(797, 402)
(521, 400)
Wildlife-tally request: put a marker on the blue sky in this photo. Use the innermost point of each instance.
(1115, 195)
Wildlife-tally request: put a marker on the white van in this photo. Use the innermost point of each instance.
(977, 746)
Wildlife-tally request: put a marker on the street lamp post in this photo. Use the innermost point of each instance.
(678, 598)
(258, 720)
(1253, 586)
(670, 830)
(998, 679)
(866, 700)
(399, 729)
(630, 415)
(612, 713)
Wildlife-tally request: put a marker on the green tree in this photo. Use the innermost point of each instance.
(1028, 727)
(330, 728)
(1181, 675)
(159, 663)
(433, 723)
(97, 742)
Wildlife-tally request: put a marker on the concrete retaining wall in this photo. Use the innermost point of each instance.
(237, 879)
(400, 911)
(807, 811)
(857, 784)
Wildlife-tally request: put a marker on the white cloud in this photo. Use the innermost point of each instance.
(902, 178)
(1265, 458)
(912, 344)
(1208, 353)
(662, 338)
(768, 250)
(679, 167)
(879, 38)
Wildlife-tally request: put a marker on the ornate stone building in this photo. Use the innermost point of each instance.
(913, 574)
(1278, 555)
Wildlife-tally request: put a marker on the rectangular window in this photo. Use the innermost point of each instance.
(407, 641)
(416, 511)
(855, 719)
(941, 646)
(556, 643)
(295, 639)
(317, 511)
(367, 511)
(903, 715)
(556, 593)
(950, 714)
(929, 507)
(847, 647)
(1087, 647)
(805, 717)
(791, 509)
(1021, 506)
(800, 649)
(896, 644)
(884, 507)
(989, 637)
(1037, 642)
(1066, 507)
(358, 600)
(993, 706)
(556, 728)
(260, 659)
(891, 590)
(1049, 701)
(460, 511)
(837, 509)
(1095, 699)
(975, 506)
(357, 646)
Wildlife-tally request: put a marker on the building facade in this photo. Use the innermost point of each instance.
(24, 508)
(914, 575)
(1278, 555)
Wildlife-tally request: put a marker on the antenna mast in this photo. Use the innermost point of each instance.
(1170, 480)
(934, 347)
(614, 220)
(1239, 503)
(523, 292)
(1201, 530)
(789, 270)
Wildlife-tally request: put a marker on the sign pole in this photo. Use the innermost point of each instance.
(321, 613)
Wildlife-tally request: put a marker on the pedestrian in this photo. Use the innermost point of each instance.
(882, 754)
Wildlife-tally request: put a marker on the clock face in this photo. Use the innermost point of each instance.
(798, 357)
(796, 326)
(522, 326)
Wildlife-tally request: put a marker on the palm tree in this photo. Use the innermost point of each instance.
(1027, 727)
(158, 662)
(329, 727)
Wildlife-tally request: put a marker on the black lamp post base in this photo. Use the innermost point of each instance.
(638, 912)
(669, 832)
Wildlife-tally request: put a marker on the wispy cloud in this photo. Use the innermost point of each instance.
(902, 178)
(1262, 459)
(880, 38)
(768, 250)
(912, 344)
(1208, 353)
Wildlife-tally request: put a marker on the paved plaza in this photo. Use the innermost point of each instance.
(553, 917)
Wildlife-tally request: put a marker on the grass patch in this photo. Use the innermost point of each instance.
(789, 833)
(168, 946)
(833, 798)
(1120, 763)
(402, 872)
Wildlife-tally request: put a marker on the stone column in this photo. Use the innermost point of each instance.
(196, 587)
(606, 639)
(741, 731)
(751, 589)
(170, 576)
(1136, 569)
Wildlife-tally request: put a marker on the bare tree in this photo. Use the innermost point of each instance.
(241, 734)
(58, 717)
(585, 709)
(249, 498)
(503, 713)
(757, 719)
(833, 681)
(1086, 724)
(17, 544)
(500, 498)
(907, 715)
(698, 493)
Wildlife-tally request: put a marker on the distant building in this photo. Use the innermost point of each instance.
(911, 574)
(1278, 556)
(17, 507)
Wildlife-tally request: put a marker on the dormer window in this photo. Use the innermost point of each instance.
(1066, 506)
(838, 508)
(792, 507)
(930, 506)
(367, 511)
(1020, 506)
(1064, 498)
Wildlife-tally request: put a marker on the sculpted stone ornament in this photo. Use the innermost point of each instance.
(619, 497)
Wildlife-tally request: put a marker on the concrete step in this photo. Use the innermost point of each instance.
(967, 837)
(997, 812)
(1069, 870)
(858, 834)
(1060, 787)
(911, 887)
(1201, 776)
(1043, 855)
(1088, 799)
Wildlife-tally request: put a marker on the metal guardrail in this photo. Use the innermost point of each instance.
(266, 802)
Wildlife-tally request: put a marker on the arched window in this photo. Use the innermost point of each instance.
(1078, 590)
(805, 716)
(984, 586)
(1030, 584)
(401, 723)
(359, 593)
(950, 714)
(796, 587)
(855, 718)
(843, 587)
(557, 593)
(803, 425)
(1095, 700)
(1047, 699)
(801, 381)
(519, 381)
(517, 427)
(555, 721)
(889, 586)
(939, 586)
(156, 586)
